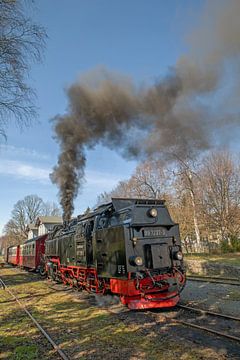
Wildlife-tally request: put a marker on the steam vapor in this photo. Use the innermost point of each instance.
(170, 117)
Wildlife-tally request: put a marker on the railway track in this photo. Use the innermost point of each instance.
(36, 323)
(227, 322)
(225, 326)
(215, 280)
(194, 322)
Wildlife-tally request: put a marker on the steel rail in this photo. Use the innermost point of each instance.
(47, 336)
(219, 333)
(209, 280)
(213, 277)
(186, 307)
(199, 327)
(211, 313)
(186, 323)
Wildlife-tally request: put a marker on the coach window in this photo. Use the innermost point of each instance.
(125, 217)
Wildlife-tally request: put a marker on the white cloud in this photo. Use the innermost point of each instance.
(15, 151)
(18, 169)
(23, 170)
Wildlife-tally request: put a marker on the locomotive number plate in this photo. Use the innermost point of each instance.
(154, 232)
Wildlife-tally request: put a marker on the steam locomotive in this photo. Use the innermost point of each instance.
(128, 247)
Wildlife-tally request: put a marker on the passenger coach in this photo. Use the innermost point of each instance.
(31, 254)
(13, 255)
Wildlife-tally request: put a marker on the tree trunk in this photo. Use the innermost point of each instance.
(195, 221)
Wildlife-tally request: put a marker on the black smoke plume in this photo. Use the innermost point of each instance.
(175, 115)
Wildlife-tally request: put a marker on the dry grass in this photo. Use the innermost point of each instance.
(228, 259)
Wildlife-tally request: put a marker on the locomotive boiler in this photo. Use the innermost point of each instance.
(128, 247)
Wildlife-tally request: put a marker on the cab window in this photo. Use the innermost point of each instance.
(102, 222)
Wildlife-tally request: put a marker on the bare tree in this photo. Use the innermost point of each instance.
(24, 213)
(220, 194)
(181, 211)
(50, 209)
(21, 43)
(13, 235)
(150, 180)
(187, 178)
(204, 197)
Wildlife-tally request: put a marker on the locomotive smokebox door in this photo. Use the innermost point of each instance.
(160, 256)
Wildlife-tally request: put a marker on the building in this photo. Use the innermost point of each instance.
(32, 231)
(46, 223)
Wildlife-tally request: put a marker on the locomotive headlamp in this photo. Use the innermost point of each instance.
(136, 260)
(153, 212)
(134, 240)
(178, 255)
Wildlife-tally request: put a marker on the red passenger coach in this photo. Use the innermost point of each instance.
(13, 255)
(20, 255)
(31, 254)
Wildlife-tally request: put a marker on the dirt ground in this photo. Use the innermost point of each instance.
(86, 329)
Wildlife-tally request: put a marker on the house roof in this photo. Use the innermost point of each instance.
(48, 220)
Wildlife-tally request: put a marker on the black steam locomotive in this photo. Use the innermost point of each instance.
(129, 247)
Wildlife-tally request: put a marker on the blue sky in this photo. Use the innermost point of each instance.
(137, 37)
